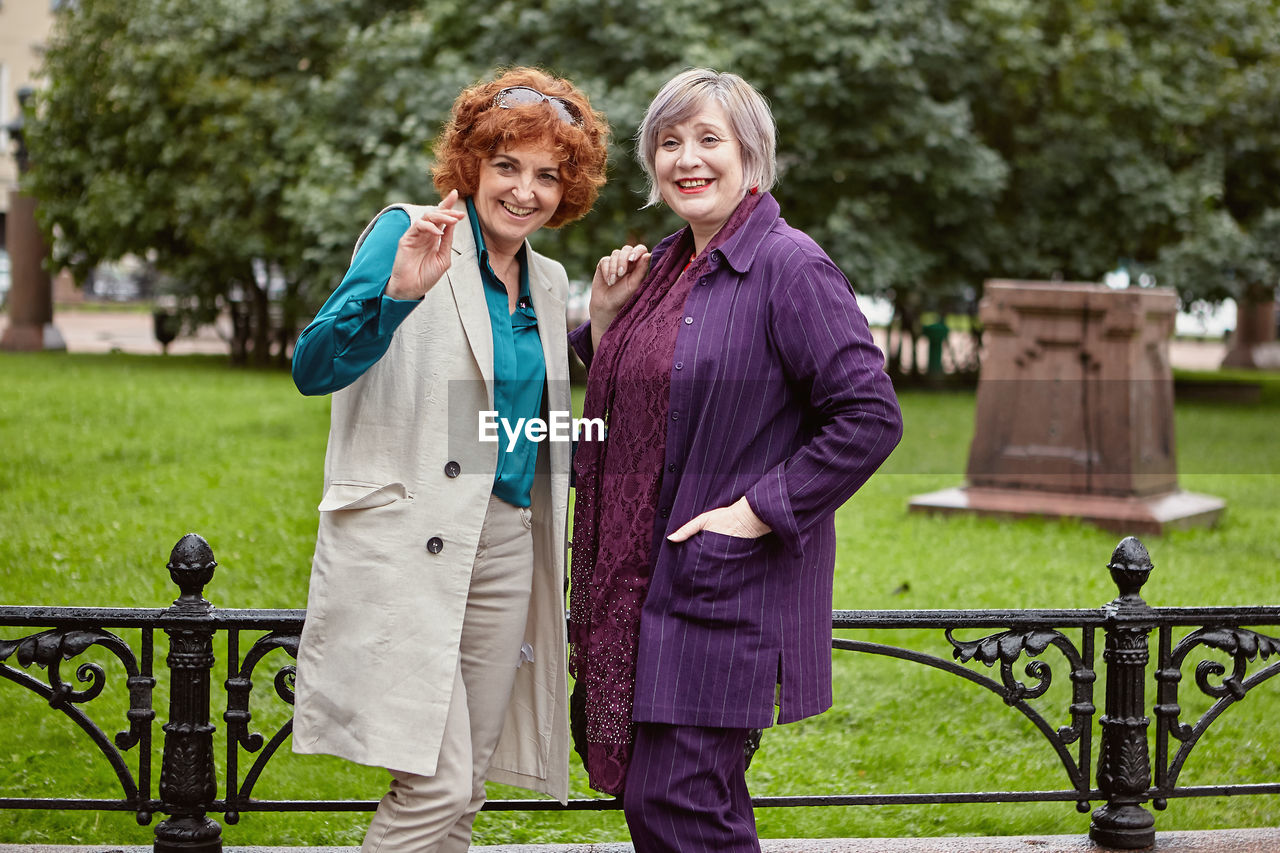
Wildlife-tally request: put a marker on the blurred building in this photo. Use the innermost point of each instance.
(24, 27)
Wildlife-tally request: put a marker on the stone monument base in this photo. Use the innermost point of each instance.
(1134, 516)
(1264, 356)
(31, 338)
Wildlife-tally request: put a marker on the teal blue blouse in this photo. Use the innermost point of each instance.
(354, 327)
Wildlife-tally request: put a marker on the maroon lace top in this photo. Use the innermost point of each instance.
(615, 509)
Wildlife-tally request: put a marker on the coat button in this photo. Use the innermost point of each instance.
(688, 321)
(435, 544)
(452, 469)
(679, 365)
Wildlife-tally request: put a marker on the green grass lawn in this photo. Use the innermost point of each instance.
(106, 461)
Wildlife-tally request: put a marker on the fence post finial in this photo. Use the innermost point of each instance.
(191, 566)
(188, 782)
(1124, 764)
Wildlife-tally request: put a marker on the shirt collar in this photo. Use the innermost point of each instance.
(482, 252)
(740, 249)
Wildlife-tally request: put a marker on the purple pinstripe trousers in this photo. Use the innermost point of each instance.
(687, 791)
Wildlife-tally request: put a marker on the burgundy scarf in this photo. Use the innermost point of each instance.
(615, 505)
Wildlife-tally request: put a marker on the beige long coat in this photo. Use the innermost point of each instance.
(384, 610)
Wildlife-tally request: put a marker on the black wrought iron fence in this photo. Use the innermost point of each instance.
(187, 789)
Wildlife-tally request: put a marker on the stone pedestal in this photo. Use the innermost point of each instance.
(30, 289)
(1075, 410)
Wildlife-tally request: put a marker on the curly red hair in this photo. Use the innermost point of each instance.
(476, 129)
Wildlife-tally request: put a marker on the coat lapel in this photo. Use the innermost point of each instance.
(473, 310)
(550, 310)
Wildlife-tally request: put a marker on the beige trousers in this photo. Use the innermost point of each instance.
(434, 814)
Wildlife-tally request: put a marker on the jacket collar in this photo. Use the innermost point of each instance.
(740, 249)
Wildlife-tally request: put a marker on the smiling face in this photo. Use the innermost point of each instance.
(698, 167)
(519, 190)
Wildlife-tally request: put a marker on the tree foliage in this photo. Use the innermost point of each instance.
(175, 132)
(1134, 130)
(926, 144)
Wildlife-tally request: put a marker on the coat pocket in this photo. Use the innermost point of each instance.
(353, 494)
(720, 579)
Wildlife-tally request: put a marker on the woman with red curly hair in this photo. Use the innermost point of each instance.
(434, 644)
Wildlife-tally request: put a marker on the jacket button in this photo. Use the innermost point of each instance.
(452, 469)
(435, 544)
(688, 321)
(664, 512)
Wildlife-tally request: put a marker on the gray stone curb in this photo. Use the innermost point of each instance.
(1208, 841)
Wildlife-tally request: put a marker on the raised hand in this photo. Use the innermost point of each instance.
(617, 276)
(425, 251)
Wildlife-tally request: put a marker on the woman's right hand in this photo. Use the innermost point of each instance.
(425, 251)
(617, 276)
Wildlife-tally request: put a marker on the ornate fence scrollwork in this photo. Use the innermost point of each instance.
(47, 650)
(1243, 646)
(1006, 648)
(1016, 641)
(238, 715)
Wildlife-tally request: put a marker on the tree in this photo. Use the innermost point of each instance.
(241, 142)
(890, 178)
(1229, 242)
(174, 131)
(926, 144)
(1131, 129)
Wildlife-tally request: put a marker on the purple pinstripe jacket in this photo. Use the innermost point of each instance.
(777, 393)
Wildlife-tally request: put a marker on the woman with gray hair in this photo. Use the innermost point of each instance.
(745, 403)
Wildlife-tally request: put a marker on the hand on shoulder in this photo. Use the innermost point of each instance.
(617, 276)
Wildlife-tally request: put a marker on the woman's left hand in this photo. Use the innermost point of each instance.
(617, 276)
(737, 519)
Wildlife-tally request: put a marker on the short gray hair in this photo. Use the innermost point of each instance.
(749, 117)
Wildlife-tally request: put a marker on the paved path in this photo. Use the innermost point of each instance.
(1217, 841)
(131, 332)
(128, 331)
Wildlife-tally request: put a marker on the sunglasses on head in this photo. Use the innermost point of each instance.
(521, 96)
